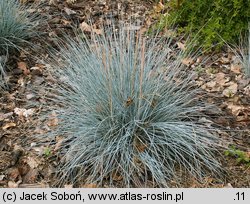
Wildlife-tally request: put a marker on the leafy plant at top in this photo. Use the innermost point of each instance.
(128, 111)
(215, 21)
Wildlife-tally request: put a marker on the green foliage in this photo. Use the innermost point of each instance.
(215, 21)
(128, 110)
(47, 152)
(241, 156)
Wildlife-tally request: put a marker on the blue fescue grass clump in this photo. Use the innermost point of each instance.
(128, 111)
(16, 25)
(245, 53)
(242, 52)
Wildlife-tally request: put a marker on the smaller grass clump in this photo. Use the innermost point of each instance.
(128, 112)
(242, 52)
(245, 54)
(16, 25)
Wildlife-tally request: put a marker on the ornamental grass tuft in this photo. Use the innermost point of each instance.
(128, 111)
(16, 25)
(242, 52)
(245, 54)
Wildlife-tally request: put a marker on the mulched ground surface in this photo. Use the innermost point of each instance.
(26, 163)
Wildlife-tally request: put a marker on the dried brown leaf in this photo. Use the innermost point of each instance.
(9, 125)
(68, 186)
(211, 86)
(33, 163)
(236, 68)
(159, 7)
(87, 28)
(23, 66)
(181, 46)
(12, 184)
(187, 61)
(231, 90)
(116, 176)
(13, 173)
(236, 109)
(90, 185)
(221, 79)
(31, 176)
(21, 112)
(69, 11)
